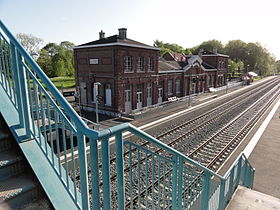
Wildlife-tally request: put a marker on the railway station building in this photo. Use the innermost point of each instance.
(133, 76)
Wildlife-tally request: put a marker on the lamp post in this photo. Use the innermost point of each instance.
(96, 84)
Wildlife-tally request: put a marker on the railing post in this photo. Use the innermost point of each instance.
(205, 190)
(24, 95)
(21, 90)
(239, 170)
(83, 170)
(231, 176)
(180, 179)
(245, 173)
(120, 171)
(14, 68)
(174, 181)
(94, 173)
(222, 195)
(252, 178)
(106, 173)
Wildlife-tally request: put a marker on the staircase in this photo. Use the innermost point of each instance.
(45, 128)
(19, 189)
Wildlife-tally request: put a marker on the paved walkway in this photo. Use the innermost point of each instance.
(246, 199)
(265, 157)
(263, 151)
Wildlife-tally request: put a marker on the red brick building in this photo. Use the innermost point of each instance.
(132, 76)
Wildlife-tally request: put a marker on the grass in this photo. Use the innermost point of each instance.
(65, 82)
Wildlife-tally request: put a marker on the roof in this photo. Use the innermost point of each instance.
(115, 40)
(207, 66)
(176, 56)
(170, 65)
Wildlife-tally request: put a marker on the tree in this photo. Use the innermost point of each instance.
(52, 48)
(277, 66)
(67, 45)
(45, 62)
(235, 67)
(236, 49)
(30, 43)
(57, 60)
(209, 45)
(167, 47)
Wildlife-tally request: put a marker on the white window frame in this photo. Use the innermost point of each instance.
(140, 62)
(150, 64)
(127, 63)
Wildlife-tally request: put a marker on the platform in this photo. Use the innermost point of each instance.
(246, 199)
(262, 147)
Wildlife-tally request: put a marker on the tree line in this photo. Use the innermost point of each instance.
(56, 60)
(244, 57)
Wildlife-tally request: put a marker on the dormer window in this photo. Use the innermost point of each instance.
(150, 64)
(127, 64)
(140, 66)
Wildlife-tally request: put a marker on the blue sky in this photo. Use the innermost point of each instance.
(184, 22)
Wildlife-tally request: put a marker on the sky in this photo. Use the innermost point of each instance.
(183, 22)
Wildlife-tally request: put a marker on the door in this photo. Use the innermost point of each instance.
(108, 94)
(127, 98)
(139, 100)
(160, 94)
(83, 93)
(149, 94)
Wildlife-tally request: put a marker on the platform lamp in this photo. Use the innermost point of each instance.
(96, 84)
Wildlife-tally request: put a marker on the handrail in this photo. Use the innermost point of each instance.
(179, 162)
(66, 106)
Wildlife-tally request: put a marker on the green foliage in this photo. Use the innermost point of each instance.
(209, 45)
(236, 49)
(167, 47)
(65, 82)
(234, 68)
(244, 56)
(255, 57)
(57, 60)
(277, 66)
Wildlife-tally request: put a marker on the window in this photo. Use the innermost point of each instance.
(127, 64)
(140, 66)
(170, 87)
(150, 64)
(178, 86)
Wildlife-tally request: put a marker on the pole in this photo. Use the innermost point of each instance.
(96, 84)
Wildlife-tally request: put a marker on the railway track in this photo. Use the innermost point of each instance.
(214, 151)
(176, 136)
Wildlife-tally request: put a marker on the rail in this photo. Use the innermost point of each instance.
(49, 119)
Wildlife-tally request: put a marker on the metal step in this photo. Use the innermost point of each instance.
(5, 141)
(11, 164)
(41, 204)
(18, 191)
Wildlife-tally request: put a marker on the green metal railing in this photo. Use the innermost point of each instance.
(144, 178)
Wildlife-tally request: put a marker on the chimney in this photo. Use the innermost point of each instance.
(101, 35)
(122, 33)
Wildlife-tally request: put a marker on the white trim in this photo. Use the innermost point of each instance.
(116, 44)
(222, 55)
(170, 71)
